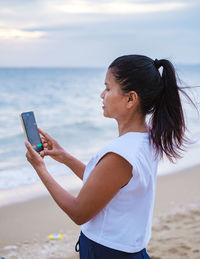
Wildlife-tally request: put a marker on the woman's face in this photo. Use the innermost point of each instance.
(114, 102)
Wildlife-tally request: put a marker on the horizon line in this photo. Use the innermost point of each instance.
(67, 66)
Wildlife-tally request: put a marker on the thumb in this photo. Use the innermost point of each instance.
(30, 147)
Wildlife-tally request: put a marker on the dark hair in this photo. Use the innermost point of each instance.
(159, 96)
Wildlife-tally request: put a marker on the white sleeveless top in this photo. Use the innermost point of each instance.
(125, 222)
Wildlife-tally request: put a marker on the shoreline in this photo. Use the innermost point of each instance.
(28, 192)
(24, 182)
(25, 193)
(25, 225)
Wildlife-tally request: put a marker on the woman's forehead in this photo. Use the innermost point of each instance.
(109, 77)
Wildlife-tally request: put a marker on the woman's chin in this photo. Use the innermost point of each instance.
(106, 115)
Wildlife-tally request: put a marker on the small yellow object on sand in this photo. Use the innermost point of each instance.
(55, 236)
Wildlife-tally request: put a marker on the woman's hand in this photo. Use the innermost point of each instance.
(33, 157)
(52, 148)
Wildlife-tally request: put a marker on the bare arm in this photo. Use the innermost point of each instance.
(53, 149)
(106, 179)
(75, 165)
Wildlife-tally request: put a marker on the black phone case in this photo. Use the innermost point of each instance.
(31, 130)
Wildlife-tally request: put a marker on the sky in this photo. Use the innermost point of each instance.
(94, 32)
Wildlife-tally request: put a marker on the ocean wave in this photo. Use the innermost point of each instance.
(67, 105)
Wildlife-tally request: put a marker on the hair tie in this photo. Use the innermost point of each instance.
(157, 63)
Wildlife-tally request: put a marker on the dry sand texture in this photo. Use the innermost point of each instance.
(24, 227)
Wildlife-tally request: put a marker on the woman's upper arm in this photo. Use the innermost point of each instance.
(110, 174)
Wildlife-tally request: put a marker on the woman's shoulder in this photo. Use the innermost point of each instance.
(126, 145)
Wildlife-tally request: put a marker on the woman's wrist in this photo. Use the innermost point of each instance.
(40, 168)
(66, 158)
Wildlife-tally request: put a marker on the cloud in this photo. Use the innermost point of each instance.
(56, 28)
(93, 32)
(20, 34)
(53, 14)
(114, 7)
(6, 11)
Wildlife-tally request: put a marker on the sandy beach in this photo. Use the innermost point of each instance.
(25, 226)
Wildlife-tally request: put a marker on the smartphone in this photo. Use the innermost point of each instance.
(30, 130)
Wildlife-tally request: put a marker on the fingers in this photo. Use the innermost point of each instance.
(31, 154)
(45, 134)
(30, 148)
(47, 152)
(43, 140)
(42, 153)
(44, 144)
(33, 157)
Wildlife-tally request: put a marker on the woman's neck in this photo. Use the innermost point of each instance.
(133, 125)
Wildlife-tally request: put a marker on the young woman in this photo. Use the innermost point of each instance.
(115, 204)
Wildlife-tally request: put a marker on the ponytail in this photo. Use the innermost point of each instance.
(167, 121)
(159, 96)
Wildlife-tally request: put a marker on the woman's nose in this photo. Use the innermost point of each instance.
(102, 94)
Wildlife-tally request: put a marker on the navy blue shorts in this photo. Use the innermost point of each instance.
(89, 249)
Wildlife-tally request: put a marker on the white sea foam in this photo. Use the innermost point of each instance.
(32, 191)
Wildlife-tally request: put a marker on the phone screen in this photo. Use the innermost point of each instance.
(31, 130)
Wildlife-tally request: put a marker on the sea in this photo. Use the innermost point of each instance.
(67, 105)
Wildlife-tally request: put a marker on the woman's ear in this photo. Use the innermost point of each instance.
(132, 99)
